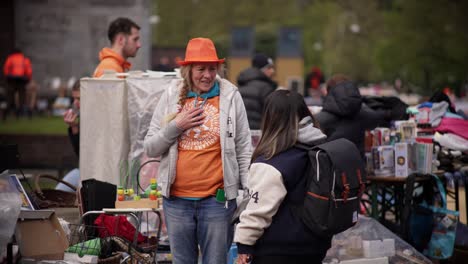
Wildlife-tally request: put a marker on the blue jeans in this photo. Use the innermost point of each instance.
(205, 223)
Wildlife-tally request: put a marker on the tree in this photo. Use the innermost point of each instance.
(428, 43)
(421, 42)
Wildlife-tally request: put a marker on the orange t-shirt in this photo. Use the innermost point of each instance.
(199, 170)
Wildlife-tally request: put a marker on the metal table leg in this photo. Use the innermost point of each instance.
(374, 203)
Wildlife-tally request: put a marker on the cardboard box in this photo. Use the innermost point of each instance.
(40, 236)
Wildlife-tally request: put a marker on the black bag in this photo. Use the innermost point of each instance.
(335, 183)
(96, 195)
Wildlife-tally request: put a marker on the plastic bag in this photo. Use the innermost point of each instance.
(349, 245)
(432, 226)
(10, 207)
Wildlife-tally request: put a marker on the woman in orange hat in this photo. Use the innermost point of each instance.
(200, 130)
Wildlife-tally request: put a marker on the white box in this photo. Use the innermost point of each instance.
(383, 160)
(382, 260)
(405, 159)
(378, 248)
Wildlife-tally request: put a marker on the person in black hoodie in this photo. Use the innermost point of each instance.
(71, 118)
(255, 84)
(344, 115)
(267, 231)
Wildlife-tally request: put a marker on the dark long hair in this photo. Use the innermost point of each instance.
(280, 123)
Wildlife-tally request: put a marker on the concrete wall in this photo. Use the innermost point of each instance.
(63, 37)
(7, 34)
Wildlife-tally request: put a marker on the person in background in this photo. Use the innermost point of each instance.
(255, 84)
(72, 119)
(124, 37)
(268, 232)
(314, 79)
(163, 65)
(177, 60)
(200, 130)
(312, 84)
(62, 102)
(31, 96)
(344, 115)
(18, 72)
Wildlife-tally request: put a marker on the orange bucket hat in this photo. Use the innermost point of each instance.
(200, 50)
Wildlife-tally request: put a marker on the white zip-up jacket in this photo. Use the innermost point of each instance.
(161, 139)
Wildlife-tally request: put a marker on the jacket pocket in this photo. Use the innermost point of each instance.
(163, 171)
(231, 172)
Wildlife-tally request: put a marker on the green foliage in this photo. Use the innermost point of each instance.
(427, 45)
(421, 42)
(315, 18)
(36, 125)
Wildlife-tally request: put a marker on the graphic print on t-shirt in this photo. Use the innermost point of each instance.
(205, 135)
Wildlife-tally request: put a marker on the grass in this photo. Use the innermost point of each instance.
(41, 125)
(48, 185)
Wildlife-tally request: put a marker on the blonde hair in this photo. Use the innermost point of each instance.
(185, 72)
(187, 84)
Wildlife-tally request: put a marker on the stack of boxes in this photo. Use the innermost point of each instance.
(398, 152)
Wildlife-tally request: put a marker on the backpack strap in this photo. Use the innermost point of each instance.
(361, 183)
(345, 192)
(303, 146)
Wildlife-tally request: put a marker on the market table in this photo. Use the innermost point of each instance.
(136, 250)
(387, 202)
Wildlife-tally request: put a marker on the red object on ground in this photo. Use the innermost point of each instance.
(117, 226)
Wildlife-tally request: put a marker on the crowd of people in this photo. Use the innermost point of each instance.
(203, 137)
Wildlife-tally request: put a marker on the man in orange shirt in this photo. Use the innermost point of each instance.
(124, 36)
(18, 72)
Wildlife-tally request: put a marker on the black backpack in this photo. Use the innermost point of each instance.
(335, 183)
